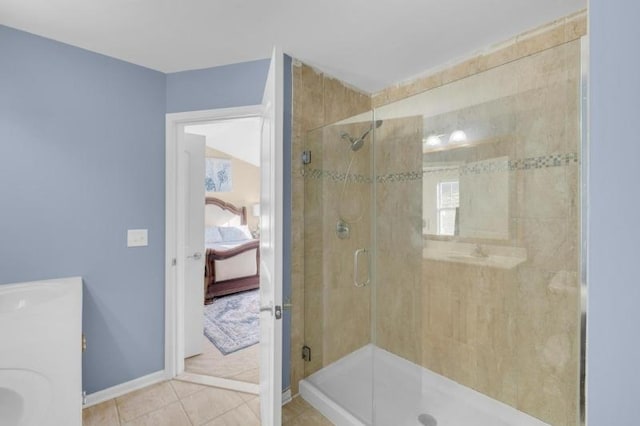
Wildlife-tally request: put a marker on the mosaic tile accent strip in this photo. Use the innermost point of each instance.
(335, 176)
(545, 161)
(542, 162)
(399, 177)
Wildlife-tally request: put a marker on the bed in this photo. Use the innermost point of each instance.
(232, 261)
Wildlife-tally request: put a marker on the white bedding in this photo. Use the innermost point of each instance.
(226, 245)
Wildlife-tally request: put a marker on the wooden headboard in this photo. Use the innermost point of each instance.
(220, 213)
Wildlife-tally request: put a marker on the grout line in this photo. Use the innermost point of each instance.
(185, 411)
(251, 411)
(225, 412)
(115, 401)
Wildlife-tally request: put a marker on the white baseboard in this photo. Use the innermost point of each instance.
(286, 396)
(160, 376)
(123, 388)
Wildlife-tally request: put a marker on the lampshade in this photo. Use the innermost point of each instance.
(255, 210)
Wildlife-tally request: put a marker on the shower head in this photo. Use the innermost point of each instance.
(356, 144)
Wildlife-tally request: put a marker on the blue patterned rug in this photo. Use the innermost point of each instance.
(232, 322)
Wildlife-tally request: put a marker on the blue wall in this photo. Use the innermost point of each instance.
(220, 87)
(614, 224)
(82, 160)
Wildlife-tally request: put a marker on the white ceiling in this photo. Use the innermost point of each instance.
(370, 44)
(239, 138)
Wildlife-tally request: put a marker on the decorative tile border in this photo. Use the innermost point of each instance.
(531, 163)
(399, 177)
(334, 176)
(545, 161)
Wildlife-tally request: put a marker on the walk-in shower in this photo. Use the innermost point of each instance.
(469, 248)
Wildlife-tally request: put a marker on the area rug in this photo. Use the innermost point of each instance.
(232, 322)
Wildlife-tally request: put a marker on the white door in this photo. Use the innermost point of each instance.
(271, 197)
(193, 163)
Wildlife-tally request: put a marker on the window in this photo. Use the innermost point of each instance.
(448, 203)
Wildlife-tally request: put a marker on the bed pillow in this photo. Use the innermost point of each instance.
(235, 233)
(212, 235)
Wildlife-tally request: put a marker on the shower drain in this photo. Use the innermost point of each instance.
(427, 420)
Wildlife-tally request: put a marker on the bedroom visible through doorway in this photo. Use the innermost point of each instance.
(231, 253)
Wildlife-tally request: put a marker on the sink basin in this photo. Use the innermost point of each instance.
(40, 353)
(25, 397)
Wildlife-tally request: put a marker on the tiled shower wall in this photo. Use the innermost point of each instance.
(509, 333)
(318, 100)
(398, 218)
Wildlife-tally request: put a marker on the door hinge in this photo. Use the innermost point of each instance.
(306, 353)
(84, 343)
(84, 397)
(306, 157)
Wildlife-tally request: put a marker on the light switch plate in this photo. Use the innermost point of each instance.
(137, 238)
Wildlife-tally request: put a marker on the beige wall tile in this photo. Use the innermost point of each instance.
(576, 26)
(311, 99)
(500, 56)
(461, 70)
(342, 101)
(528, 45)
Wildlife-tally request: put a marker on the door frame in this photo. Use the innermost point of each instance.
(174, 311)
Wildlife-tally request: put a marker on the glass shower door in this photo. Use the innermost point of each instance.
(337, 253)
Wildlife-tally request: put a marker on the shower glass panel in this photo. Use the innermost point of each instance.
(442, 253)
(477, 227)
(337, 253)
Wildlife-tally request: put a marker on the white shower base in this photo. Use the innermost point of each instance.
(344, 393)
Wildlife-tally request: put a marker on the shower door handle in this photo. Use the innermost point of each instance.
(356, 260)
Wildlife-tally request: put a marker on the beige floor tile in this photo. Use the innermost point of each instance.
(294, 408)
(143, 401)
(309, 418)
(212, 362)
(247, 396)
(209, 403)
(184, 389)
(249, 376)
(254, 404)
(239, 416)
(170, 415)
(104, 414)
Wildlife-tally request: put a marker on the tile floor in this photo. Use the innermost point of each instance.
(176, 403)
(243, 365)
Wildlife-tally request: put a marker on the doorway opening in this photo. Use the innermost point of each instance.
(225, 338)
(213, 158)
